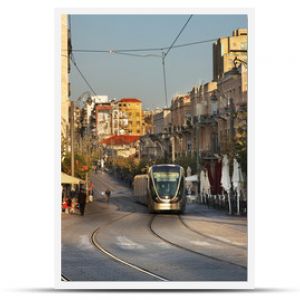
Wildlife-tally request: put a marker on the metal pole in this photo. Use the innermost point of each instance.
(232, 130)
(232, 134)
(198, 152)
(72, 138)
(163, 55)
(86, 186)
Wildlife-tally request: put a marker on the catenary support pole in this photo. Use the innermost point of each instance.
(72, 138)
(163, 55)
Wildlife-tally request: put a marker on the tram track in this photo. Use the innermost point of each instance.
(232, 244)
(218, 221)
(97, 232)
(188, 249)
(64, 278)
(114, 201)
(215, 239)
(101, 249)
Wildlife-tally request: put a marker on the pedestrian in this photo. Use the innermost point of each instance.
(102, 165)
(95, 169)
(66, 205)
(107, 195)
(81, 200)
(73, 201)
(91, 196)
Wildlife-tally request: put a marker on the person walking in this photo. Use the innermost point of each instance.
(95, 169)
(81, 200)
(107, 195)
(73, 201)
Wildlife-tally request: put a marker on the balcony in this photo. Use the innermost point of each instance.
(205, 119)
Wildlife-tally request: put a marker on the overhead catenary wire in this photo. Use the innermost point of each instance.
(72, 57)
(115, 51)
(137, 55)
(164, 55)
(81, 74)
(178, 35)
(148, 55)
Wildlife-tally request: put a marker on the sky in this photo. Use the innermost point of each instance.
(127, 76)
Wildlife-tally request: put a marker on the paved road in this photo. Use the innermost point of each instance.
(121, 241)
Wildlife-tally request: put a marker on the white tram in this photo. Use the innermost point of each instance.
(162, 189)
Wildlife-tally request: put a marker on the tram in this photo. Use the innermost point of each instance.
(162, 189)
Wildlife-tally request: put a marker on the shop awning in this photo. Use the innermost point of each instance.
(67, 179)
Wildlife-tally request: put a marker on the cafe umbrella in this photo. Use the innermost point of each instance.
(225, 180)
(236, 182)
(202, 182)
(206, 188)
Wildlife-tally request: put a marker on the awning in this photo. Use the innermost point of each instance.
(67, 179)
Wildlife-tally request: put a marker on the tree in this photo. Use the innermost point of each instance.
(241, 140)
(81, 165)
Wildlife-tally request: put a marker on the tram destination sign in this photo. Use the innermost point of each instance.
(166, 176)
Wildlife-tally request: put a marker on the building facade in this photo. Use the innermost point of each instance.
(181, 130)
(103, 113)
(227, 49)
(65, 87)
(130, 116)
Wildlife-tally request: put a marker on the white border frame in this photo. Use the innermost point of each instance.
(175, 285)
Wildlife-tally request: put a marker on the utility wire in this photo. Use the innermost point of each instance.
(178, 35)
(194, 43)
(83, 77)
(163, 58)
(137, 55)
(141, 50)
(72, 57)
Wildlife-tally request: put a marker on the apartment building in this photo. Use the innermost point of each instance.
(130, 116)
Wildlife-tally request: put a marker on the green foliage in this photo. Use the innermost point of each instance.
(79, 162)
(241, 141)
(128, 167)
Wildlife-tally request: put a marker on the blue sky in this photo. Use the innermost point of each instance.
(120, 76)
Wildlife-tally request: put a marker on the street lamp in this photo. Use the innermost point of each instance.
(236, 60)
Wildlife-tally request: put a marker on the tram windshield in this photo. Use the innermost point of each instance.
(166, 179)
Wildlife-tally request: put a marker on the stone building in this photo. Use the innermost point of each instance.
(103, 112)
(147, 122)
(120, 146)
(155, 144)
(232, 102)
(204, 112)
(181, 120)
(227, 49)
(65, 86)
(162, 121)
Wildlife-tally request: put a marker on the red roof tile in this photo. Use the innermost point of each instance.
(103, 107)
(130, 100)
(120, 139)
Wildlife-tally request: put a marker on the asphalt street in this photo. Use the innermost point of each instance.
(121, 241)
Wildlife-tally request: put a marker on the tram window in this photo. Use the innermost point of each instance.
(166, 188)
(152, 191)
(181, 188)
